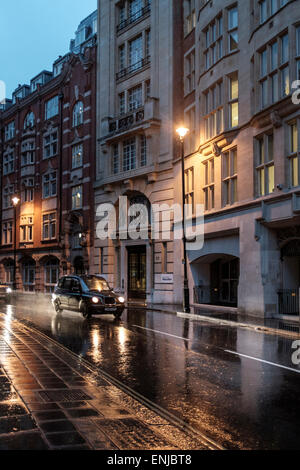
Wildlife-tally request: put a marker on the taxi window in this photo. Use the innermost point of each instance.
(67, 283)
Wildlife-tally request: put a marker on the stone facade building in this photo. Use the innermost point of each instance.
(47, 149)
(242, 154)
(138, 102)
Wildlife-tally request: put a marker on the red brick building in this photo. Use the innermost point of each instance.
(47, 146)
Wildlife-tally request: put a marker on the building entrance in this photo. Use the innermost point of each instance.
(137, 272)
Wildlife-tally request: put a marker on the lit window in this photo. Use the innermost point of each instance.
(77, 197)
(78, 114)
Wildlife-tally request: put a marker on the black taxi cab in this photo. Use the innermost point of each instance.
(87, 294)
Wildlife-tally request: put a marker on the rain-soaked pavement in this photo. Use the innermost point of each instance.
(237, 387)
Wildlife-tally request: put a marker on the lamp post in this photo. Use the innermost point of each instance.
(15, 201)
(182, 132)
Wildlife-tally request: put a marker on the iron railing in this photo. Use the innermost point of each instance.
(288, 302)
(124, 123)
(133, 18)
(133, 68)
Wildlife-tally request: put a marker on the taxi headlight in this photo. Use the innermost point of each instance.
(8, 290)
(95, 300)
(121, 299)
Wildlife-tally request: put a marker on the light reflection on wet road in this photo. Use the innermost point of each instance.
(189, 368)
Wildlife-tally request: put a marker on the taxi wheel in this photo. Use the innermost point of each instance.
(85, 311)
(117, 315)
(57, 307)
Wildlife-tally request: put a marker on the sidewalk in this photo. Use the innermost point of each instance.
(52, 399)
(230, 317)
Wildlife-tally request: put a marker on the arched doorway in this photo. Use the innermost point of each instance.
(132, 254)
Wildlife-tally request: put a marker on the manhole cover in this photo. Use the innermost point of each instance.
(63, 395)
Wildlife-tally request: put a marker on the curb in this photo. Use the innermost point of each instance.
(218, 321)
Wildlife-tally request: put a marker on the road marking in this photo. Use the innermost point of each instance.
(262, 360)
(161, 333)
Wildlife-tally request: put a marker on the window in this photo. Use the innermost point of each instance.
(7, 233)
(115, 159)
(209, 184)
(28, 275)
(274, 81)
(10, 131)
(77, 197)
(265, 178)
(28, 191)
(298, 52)
(49, 185)
(190, 123)
(143, 145)
(234, 103)
(293, 153)
(29, 121)
(9, 272)
(135, 8)
(284, 48)
(229, 177)
(129, 155)
(213, 42)
(263, 10)
(50, 144)
(51, 274)
(164, 257)
(190, 72)
(8, 162)
(122, 63)
(135, 98)
(8, 192)
(51, 108)
(148, 43)
(190, 16)
(77, 156)
(136, 53)
(27, 152)
(189, 191)
(213, 110)
(233, 37)
(78, 114)
(49, 226)
(26, 229)
(122, 106)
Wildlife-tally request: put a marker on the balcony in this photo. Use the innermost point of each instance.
(133, 68)
(133, 18)
(126, 122)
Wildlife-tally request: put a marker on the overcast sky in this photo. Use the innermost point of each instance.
(33, 33)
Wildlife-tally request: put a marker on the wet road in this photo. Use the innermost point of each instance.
(238, 387)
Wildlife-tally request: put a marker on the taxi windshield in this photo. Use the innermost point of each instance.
(96, 284)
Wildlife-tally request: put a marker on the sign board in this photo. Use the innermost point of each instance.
(167, 278)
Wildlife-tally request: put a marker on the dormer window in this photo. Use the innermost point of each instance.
(78, 114)
(29, 120)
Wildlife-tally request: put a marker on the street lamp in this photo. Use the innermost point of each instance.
(182, 132)
(15, 201)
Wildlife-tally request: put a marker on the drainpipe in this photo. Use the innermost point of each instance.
(61, 97)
